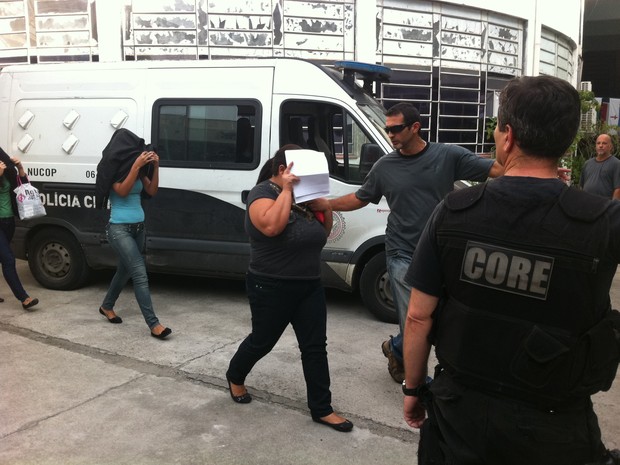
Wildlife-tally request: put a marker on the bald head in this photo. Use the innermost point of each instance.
(604, 146)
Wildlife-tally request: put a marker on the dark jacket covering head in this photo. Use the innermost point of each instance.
(117, 159)
(10, 174)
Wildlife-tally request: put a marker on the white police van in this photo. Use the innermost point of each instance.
(213, 123)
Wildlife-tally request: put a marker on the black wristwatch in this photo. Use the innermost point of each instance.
(415, 392)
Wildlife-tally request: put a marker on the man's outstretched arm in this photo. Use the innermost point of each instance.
(347, 203)
(496, 170)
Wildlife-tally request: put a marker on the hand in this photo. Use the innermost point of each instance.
(414, 412)
(288, 178)
(2, 168)
(20, 168)
(320, 205)
(154, 159)
(564, 174)
(145, 158)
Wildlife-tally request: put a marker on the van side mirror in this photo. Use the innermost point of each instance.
(369, 154)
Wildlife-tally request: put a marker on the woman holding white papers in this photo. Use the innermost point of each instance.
(284, 286)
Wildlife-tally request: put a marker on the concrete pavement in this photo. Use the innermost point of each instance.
(77, 390)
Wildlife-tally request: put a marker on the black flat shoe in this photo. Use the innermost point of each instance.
(242, 399)
(116, 319)
(163, 335)
(30, 304)
(1, 300)
(344, 427)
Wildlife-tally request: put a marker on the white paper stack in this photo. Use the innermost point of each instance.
(311, 168)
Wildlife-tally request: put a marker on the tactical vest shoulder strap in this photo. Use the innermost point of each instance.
(464, 198)
(583, 206)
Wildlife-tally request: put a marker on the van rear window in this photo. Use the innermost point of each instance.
(207, 133)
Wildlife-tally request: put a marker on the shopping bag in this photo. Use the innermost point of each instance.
(29, 204)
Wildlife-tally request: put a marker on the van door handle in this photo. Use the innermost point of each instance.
(244, 196)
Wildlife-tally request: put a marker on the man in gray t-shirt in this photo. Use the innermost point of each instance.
(414, 184)
(601, 175)
(413, 179)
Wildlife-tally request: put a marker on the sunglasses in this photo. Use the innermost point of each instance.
(396, 128)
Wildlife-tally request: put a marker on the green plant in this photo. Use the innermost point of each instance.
(490, 124)
(490, 127)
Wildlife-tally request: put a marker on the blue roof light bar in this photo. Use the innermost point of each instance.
(368, 72)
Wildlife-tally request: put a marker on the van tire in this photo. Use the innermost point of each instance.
(375, 289)
(56, 260)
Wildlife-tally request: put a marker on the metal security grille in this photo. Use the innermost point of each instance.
(456, 59)
(47, 30)
(459, 106)
(200, 29)
(14, 42)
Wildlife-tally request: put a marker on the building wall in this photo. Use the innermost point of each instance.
(449, 57)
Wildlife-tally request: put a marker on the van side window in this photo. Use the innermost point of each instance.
(207, 134)
(329, 129)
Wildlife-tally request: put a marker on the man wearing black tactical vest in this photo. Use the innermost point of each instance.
(511, 284)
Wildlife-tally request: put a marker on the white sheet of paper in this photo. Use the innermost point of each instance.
(311, 168)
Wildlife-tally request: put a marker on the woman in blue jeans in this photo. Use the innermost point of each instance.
(8, 207)
(284, 285)
(126, 235)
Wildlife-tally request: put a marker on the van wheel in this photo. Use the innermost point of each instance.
(375, 289)
(56, 260)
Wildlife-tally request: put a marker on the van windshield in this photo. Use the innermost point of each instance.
(375, 114)
(371, 108)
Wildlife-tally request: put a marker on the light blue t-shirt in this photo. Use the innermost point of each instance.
(127, 209)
